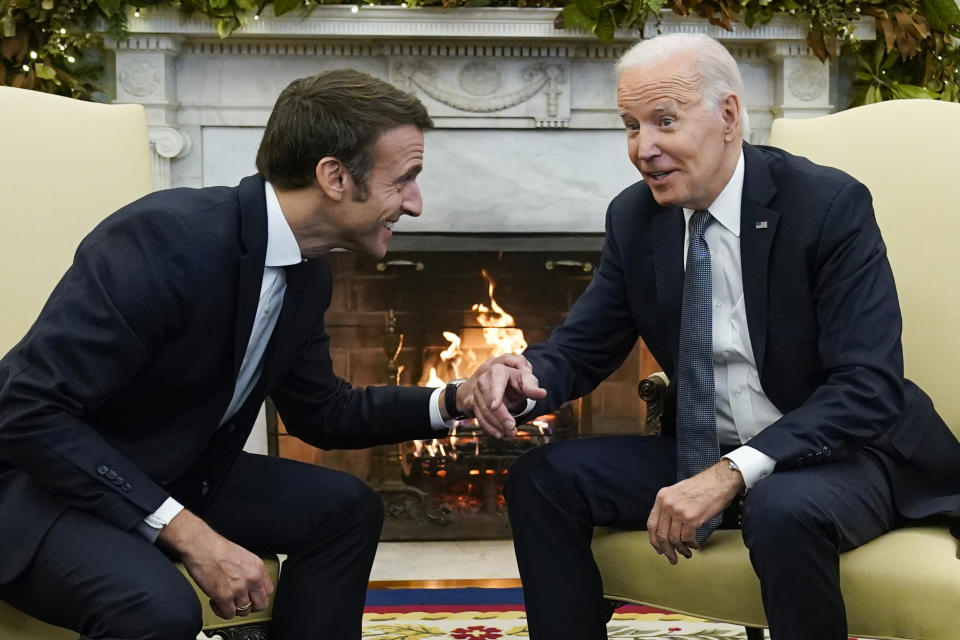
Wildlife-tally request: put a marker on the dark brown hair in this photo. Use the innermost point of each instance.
(338, 113)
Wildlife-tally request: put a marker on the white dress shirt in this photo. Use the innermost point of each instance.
(743, 409)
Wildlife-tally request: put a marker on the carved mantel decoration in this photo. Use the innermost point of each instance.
(537, 97)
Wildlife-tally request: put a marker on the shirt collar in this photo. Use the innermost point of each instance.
(726, 208)
(282, 247)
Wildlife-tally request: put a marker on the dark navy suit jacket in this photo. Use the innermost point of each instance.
(111, 403)
(823, 318)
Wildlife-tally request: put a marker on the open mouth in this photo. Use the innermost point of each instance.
(388, 224)
(657, 176)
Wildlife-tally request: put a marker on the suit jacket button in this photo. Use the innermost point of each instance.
(204, 488)
(102, 470)
(118, 480)
(111, 474)
(126, 488)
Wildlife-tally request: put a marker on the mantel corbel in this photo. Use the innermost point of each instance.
(166, 143)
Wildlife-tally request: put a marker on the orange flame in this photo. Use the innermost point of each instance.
(499, 331)
(434, 380)
(500, 336)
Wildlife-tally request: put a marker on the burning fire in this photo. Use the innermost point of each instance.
(467, 460)
(498, 325)
(497, 336)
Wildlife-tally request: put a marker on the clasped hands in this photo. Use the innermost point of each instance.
(497, 391)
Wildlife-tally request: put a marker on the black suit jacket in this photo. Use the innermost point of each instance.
(823, 318)
(111, 403)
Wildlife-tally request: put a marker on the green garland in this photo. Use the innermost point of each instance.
(51, 45)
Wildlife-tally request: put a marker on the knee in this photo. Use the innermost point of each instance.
(526, 472)
(365, 507)
(181, 617)
(548, 470)
(780, 514)
(168, 610)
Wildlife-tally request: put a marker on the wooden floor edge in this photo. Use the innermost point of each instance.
(485, 583)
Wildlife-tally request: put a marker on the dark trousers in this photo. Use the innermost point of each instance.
(795, 523)
(111, 584)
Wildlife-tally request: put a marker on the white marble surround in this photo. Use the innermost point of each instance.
(527, 136)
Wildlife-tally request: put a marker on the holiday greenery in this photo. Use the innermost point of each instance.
(55, 45)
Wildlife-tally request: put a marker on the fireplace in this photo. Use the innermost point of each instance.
(434, 308)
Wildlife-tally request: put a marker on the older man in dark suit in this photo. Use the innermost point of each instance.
(760, 283)
(124, 410)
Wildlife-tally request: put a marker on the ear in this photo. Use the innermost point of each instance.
(730, 114)
(333, 178)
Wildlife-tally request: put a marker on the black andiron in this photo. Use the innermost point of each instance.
(401, 501)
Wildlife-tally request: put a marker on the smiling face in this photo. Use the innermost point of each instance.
(685, 151)
(391, 191)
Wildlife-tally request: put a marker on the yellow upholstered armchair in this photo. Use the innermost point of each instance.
(905, 584)
(65, 165)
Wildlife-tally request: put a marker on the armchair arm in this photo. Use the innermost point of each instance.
(653, 391)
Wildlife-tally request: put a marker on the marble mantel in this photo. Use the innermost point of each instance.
(527, 136)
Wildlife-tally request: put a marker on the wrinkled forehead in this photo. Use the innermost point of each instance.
(658, 84)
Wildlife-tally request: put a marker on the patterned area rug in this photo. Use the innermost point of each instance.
(497, 614)
(511, 625)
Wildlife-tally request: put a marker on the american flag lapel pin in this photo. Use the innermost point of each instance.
(761, 224)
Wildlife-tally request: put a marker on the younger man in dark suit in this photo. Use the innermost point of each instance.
(760, 283)
(124, 410)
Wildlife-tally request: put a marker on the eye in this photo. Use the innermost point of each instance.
(632, 126)
(667, 121)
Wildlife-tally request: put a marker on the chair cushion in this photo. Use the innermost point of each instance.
(916, 568)
(14, 624)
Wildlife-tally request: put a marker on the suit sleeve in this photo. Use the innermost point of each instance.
(99, 328)
(859, 323)
(595, 338)
(325, 411)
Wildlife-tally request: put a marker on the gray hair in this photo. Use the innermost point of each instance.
(719, 73)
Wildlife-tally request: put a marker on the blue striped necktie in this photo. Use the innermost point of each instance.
(697, 444)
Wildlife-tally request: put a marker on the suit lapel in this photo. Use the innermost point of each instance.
(253, 250)
(668, 235)
(758, 227)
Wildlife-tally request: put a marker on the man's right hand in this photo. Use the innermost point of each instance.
(498, 387)
(235, 579)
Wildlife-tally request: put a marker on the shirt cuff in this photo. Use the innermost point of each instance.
(153, 523)
(438, 423)
(754, 465)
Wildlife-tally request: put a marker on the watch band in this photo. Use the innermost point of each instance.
(450, 399)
